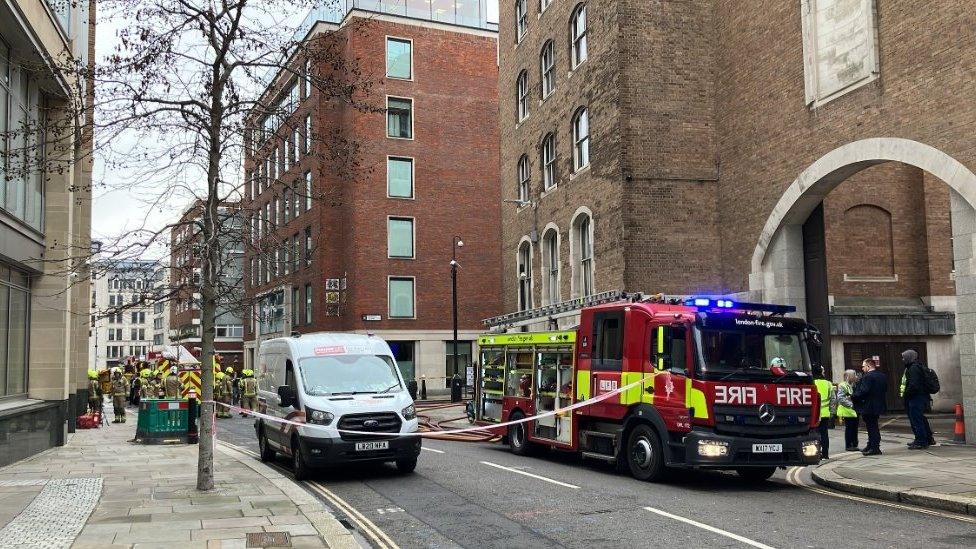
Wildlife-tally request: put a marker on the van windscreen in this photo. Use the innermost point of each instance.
(349, 375)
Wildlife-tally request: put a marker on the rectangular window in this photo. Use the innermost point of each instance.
(297, 144)
(294, 305)
(399, 58)
(608, 341)
(401, 298)
(399, 118)
(308, 191)
(308, 134)
(296, 252)
(399, 177)
(308, 304)
(400, 237)
(286, 206)
(308, 246)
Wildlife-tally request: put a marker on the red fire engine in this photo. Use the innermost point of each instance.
(712, 384)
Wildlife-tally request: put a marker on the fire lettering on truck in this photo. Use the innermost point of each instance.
(725, 394)
(794, 396)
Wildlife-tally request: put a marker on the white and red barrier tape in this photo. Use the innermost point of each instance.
(434, 434)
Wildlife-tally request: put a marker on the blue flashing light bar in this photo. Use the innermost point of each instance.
(708, 303)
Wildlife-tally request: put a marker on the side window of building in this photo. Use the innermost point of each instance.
(669, 350)
(608, 341)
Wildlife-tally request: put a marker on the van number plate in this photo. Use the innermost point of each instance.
(767, 448)
(367, 446)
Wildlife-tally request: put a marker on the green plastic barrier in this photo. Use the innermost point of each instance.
(162, 421)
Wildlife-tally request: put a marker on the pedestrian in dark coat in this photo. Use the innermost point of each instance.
(870, 402)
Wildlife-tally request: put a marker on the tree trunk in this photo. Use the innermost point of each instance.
(208, 310)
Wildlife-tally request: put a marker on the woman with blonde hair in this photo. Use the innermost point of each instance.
(845, 410)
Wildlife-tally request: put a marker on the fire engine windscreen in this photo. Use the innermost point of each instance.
(751, 350)
(349, 375)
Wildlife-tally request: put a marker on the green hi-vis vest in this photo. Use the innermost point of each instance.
(904, 380)
(844, 411)
(823, 387)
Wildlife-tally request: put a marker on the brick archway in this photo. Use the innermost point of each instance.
(777, 262)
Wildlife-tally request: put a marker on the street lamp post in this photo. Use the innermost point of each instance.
(455, 244)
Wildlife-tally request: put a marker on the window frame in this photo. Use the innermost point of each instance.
(524, 177)
(547, 157)
(389, 302)
(413, 173)
(578, 36)
(392, 38)
(522, 96)
(521, 20)
(524, 286)
(581, 144)
(412, 117)
(551, 262)
(413, 236)
(547, 71)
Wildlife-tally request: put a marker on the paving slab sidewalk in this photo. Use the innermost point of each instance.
(941, 477)
(100, 490)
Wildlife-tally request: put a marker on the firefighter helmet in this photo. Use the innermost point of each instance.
(144, 373)
(229, 371)
(219, 376)
(778, 362)
(92, 374)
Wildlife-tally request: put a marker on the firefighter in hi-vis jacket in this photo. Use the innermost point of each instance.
(120, 390)
(172, 385)
(249, 392)
(94, 392)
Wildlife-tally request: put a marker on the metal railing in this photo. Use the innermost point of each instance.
(465, 13)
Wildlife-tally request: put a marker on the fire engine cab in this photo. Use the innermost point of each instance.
(710, 383)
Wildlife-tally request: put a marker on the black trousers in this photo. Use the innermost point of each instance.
(874, 433)
(850, 432)
(824, 429)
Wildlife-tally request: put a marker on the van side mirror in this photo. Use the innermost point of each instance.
(287, 396)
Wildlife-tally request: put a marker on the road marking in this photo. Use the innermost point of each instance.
(712, 529)
(365, 526)
(432, 450)
(387, 510)
(889, 422)
(516, 471)
(793, 477)
(378, 536)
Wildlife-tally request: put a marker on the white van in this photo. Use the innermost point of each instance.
(334, 381)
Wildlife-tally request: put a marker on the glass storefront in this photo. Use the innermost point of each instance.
(463, 360)
(403, 353)
(14, 330)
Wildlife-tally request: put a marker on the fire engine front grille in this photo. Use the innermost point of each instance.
(380, 422)
(745, 421)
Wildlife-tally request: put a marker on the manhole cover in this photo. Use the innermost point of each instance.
(268, 539)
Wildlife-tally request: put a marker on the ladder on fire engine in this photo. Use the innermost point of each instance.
(557, 310)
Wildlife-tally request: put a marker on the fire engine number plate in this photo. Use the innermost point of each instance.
(367, 446)
(767, 448)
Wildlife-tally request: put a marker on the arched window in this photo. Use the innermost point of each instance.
(525, 276)
(550, 266)
(547, 156)
(547, 65)
(867, 226)
(581, 139)
(582, 241)
(577, 34)
(523, 178)
(521, 19)
(522, 95)
(543, 4)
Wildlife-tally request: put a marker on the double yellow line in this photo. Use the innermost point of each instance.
(370, 530)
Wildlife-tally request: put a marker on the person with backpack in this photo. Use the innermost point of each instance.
(919, 384)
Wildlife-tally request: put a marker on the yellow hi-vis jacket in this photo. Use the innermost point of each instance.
(826, 389)
(249, 386)
(844, 392)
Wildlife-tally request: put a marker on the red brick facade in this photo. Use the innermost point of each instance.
(455, 158)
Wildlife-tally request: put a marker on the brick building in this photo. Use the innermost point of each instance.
(806, 152)
(368, 249)
(184, 277)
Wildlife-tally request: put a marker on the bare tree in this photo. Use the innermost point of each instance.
(175, 107)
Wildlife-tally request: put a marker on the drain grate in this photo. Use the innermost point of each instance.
(268, 539)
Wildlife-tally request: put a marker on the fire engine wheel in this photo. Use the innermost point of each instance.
(267, 452)
(517, 438)
(645, 456)
(756, 474)
(299, 467)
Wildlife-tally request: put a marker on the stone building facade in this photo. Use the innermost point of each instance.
(812, 152)
(45, 223)
(369, 248)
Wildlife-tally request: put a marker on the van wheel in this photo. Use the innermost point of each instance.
(299, 467)
(267, 452)
(756, 474)
(645, 456)
(407, 465)
(517, 436)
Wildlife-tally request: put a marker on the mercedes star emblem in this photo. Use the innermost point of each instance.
(767, 414)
